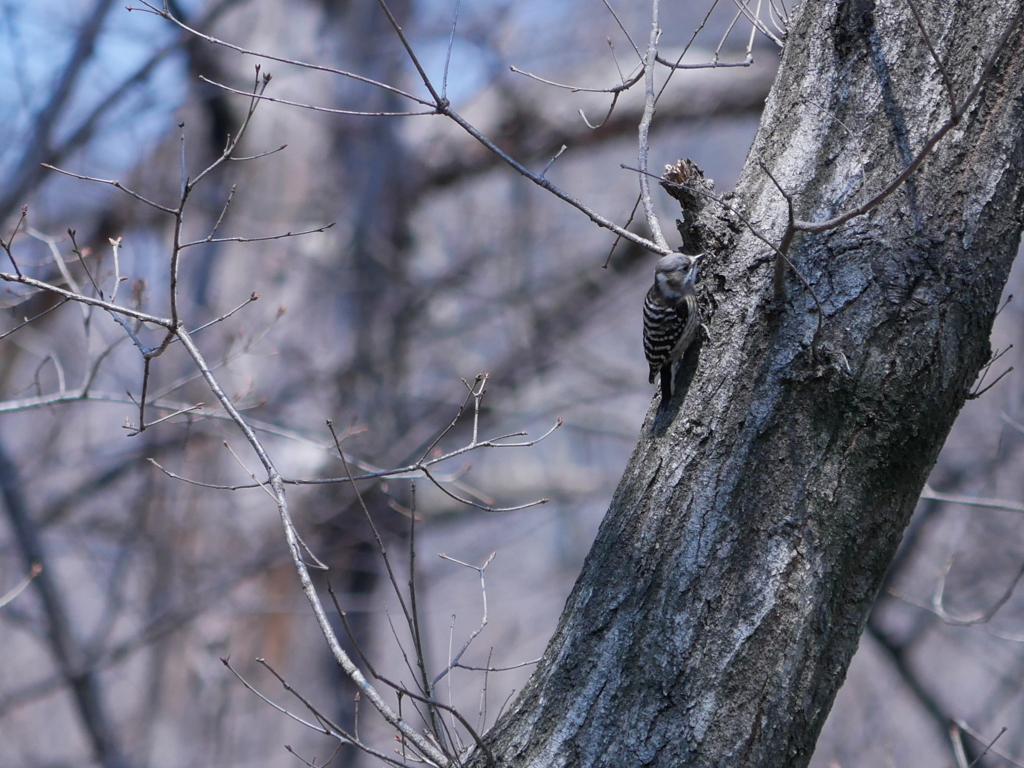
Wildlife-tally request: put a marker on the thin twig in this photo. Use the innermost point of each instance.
(438, 100)
(212, 239)
(475, 391)
(448, 53)
(935, 57)
(988, 747)
(115, 247)
(83, 299)
(9, 243)
(252, 297)
(113, 183)
(707, 65)
(937, 604)
(618, 239)
(223, 213)
(645, 126)
(482, 507)
(614, 89)
(753, 19)
(315, 108)
(956, 741)
(454, 660)
(266, 700)
(133, 431)
(975, 395)
(58, 259)
(981, 740)
(258, 155)
(604, 120)
(166, 14)
(32, 319)
(553, 159)
(499, 669)
(21, 586)
(971, 501)
(689, 44)
(622, 27)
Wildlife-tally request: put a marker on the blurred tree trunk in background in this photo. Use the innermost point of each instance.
(725, 595)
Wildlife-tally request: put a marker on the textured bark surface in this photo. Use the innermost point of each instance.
(724, 597)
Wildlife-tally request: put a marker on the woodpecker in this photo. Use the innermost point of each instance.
(671, 316)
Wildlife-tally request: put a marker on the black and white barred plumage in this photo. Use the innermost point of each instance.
(671, 316)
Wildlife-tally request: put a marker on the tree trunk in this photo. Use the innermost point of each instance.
(720, 606)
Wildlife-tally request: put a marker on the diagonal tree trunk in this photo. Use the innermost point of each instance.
(720, 606)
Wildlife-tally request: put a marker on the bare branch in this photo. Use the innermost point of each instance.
(212, 239)
(499, 669)
(706, 65)
(133, 431)
(8, 244)
(471, 503)
(20, 587)
(259, 155)
(82, 299)
(616, 89)
(650, 100)
(622, 28)
(744, 8)
(315, 108)
(32, 319)
(971, 501)
(113, 183)
(937, 603)
(981, 740)
(988, 747)
(166, 14)
(328, 732)
(935, 57)
(439, 102)
(454, 660)
(448, 52)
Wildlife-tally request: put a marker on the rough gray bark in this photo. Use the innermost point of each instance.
(724, 597)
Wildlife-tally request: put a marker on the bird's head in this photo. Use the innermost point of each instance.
(676, 273)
